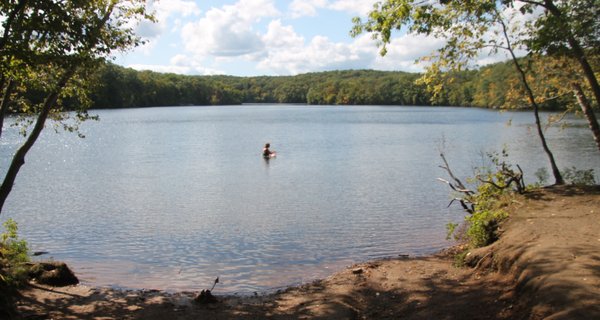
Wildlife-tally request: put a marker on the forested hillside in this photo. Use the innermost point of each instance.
(119, 87)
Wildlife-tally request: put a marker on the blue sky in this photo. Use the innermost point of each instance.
(266, 37)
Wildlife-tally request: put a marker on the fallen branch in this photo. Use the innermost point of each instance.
(467, 191)
(459, 185)
(463, 203)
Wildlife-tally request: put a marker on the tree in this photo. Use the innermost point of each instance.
(568, 28)
(557, 82)
(51, 48)
(570, 31)
(469, 27)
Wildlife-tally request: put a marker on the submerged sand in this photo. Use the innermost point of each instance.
(546, 265)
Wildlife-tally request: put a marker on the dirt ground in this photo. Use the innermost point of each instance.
(546, 265)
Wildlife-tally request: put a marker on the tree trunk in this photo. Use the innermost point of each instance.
(19, 157)
(588, 112)
(4, 102)
(558, 179)
(8, 24)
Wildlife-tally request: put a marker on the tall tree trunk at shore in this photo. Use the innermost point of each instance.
(93, 37)
(5, 102)
(558, 179)
(9, 24)
(19, 157)
(588, 112)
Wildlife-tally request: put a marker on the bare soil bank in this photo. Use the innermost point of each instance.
(546, 265)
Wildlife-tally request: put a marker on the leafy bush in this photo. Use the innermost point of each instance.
(494, 187)
(13, 256)
(483, 225)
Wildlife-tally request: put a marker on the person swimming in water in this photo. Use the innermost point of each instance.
(268, 153)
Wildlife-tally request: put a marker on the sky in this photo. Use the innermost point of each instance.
(266, 37)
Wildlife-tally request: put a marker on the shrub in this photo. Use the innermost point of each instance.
(483, 225)
(494, 186)
(13, 256)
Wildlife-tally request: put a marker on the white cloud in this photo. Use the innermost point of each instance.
(253, 10)
(252, 36)
(296, 56)
(405, 50)
(148, 30)
(232, 35)
(361, 7)
(229, 35)
(180, 64)
(193, 66)
(318, 55)
(279, 36)
(160, 68)
(167, 8)
(228, 31)
(179, 60)
(164, 10)
(302, 8)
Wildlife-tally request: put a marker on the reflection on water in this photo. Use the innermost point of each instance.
(171, 198)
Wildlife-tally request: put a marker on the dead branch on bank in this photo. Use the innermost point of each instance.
(459, 187)
(511, 178)
(505, 175)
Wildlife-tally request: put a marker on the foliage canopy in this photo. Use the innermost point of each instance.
(48, 49)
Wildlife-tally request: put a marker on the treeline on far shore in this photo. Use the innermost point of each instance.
(119, 87)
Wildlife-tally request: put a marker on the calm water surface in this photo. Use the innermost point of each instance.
(171, 198)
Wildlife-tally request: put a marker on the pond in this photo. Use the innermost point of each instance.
(170, 198)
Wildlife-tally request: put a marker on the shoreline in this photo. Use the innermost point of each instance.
(89, 275)
(86, 301)
(544, 265)
(447, 252)
(331, 271)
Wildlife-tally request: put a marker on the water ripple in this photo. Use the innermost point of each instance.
(171, 198)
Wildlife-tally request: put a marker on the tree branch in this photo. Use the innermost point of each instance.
(19, 157)
(492, 183)
(541, 4)
(5, 102)
(459, 183)
(467, 191)
(463, 204)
